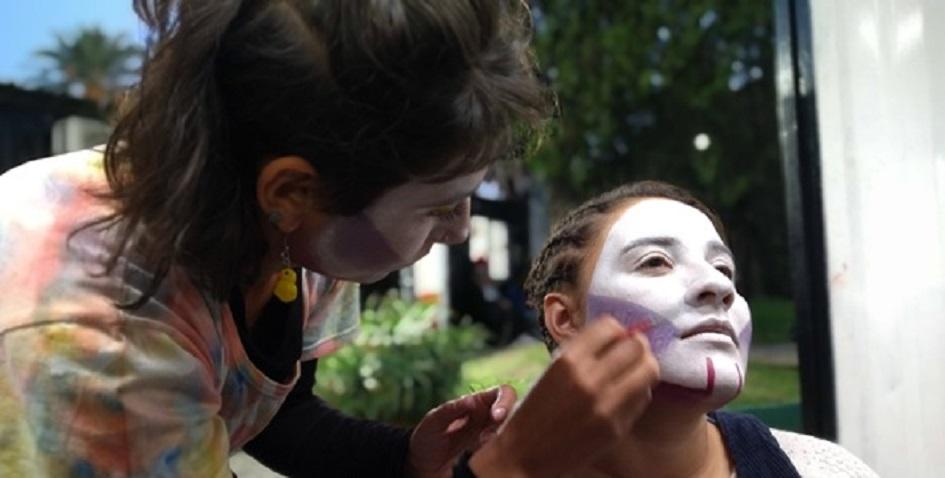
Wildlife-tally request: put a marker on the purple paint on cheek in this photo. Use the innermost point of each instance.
(744, 338)
(358, 243)
(666, 390)
(741, 379)
(658, 330)
(709, 375)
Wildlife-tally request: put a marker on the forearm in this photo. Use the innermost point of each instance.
(488, 462)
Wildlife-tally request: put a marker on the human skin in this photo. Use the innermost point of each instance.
(658, 268)
(664, 267)
(395, 231)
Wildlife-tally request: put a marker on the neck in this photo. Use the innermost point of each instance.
(669, 440)
(259, 291)
(256, 295)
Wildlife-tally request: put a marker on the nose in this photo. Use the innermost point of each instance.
(711, 289)
(452, 237)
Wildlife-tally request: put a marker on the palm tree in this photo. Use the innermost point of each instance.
(90, 64)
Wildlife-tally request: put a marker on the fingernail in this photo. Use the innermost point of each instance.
(639, 327)
(498, 413)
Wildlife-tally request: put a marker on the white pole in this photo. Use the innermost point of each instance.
(880, 85)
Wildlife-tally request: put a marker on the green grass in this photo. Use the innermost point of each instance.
(772, 320)
(516, 365)
(768, 385)
(520, 365)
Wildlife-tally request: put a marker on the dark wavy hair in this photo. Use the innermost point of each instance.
(372, 93)
(559, 264)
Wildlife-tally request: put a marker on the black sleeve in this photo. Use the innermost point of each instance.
(308, 438)
(462, 469)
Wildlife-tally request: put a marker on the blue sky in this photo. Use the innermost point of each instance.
(28, 25)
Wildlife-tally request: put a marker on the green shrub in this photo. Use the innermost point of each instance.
(772, 320)
(518, 365)
(406, 361)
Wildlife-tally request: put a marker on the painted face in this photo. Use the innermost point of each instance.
(395, 231)
(664, 269)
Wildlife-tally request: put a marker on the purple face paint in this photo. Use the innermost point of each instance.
(706, 365)
(357, 243)
(741, 379)
(681, 392)
(744, 339)
(349, 248)
(658, 330)
(662, 335)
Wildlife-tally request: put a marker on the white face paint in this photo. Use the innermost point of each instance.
(664, 268)
(395, 231)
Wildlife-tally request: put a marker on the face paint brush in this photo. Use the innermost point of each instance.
(635, 318)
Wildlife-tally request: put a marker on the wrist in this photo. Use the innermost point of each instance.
(494, 460)
(410, 469)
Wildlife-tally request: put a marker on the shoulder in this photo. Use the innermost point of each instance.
(323, 295)
(78, 167)
(332, 314)
(815, 458)
(48, 196)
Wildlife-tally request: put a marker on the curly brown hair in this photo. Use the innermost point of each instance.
(559, 264)
(373, 94)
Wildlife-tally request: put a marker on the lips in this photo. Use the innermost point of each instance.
(712, 326)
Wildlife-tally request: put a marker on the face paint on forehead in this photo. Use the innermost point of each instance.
(429, 195)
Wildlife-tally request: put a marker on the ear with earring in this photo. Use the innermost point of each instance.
(286, 289)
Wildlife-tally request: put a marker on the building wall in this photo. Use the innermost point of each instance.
(27, 118)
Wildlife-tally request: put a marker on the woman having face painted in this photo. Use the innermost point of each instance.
(163, 301)
(650, 257)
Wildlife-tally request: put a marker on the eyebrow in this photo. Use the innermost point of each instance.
(715, 248)
(667, 242)
(719, 248)
(453, 199)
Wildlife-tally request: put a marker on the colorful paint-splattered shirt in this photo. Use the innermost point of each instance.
(89, 389)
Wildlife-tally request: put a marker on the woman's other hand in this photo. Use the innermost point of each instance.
(588, 398)
(454, 427)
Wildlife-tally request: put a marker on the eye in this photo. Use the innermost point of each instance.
(726, 270)
(448, 213)
(655, 263)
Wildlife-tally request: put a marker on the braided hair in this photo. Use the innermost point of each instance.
(558, 266)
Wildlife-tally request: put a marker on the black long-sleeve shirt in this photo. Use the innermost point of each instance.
(307, 437)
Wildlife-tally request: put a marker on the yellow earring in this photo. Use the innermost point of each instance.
(286, 289)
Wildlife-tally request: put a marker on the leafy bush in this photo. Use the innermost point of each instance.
(518, 365)
(406, 361)
(773, 320)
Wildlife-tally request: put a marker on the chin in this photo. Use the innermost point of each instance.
(373, 278)
(693, 397)
(711, 384)
(363, 277)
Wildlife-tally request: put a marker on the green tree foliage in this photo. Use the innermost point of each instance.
(638, 82)
(90, 64)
